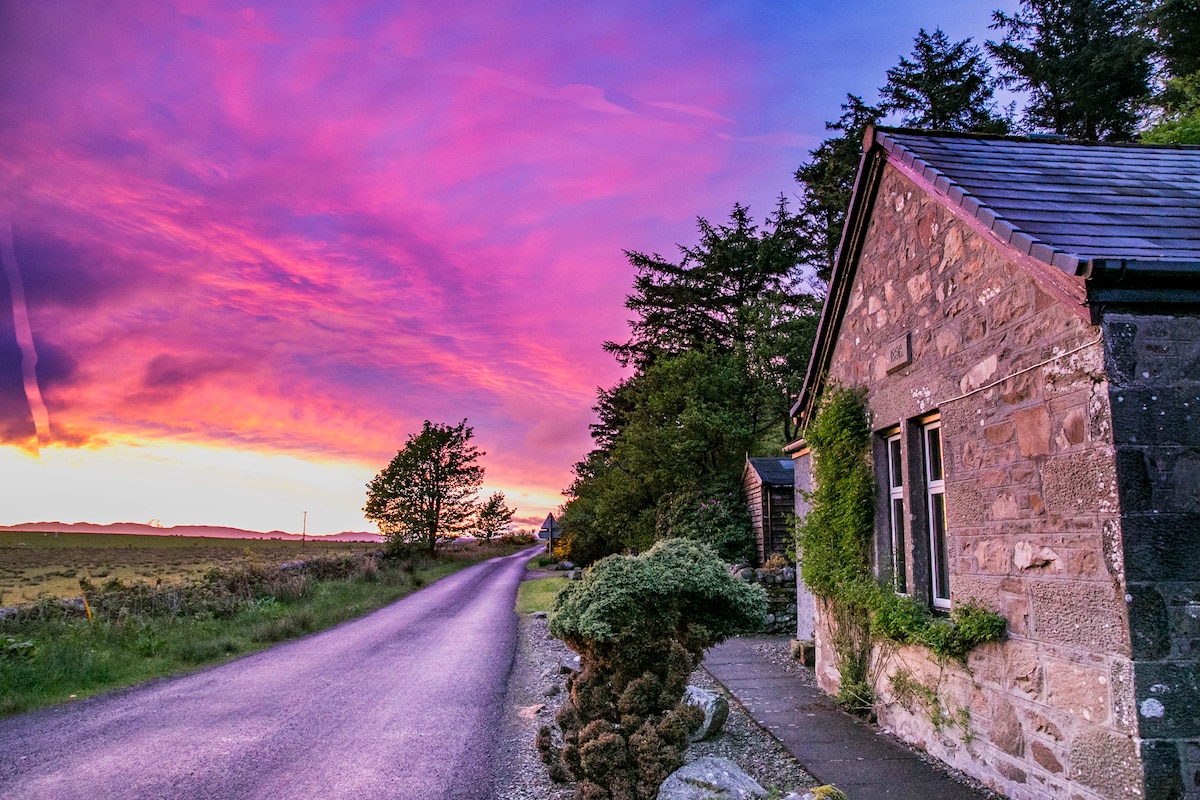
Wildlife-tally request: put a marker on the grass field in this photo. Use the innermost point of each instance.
(34, 563)
(538, 594)
(53, 658)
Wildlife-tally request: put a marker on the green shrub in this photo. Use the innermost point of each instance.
(640, 625)
(716, 515)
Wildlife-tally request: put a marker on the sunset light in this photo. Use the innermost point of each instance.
(251, 247)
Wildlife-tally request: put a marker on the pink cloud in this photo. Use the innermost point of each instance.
(308, 230)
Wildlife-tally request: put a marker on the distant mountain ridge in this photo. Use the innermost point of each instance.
(211, 531)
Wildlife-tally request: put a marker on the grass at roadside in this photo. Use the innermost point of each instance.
(538, 594)
(52, 657)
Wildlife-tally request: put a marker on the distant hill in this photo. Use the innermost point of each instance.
(212, 531)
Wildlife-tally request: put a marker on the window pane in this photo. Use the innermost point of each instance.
(894, 461)
(898, 546)
(933, 439)
(939, 547)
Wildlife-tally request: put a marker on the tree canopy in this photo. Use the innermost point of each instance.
(429, 488)
(946, 86)
(1084, 63)
(718, 345)
(827, 180)
(494, 517)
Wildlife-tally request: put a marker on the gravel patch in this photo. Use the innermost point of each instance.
(537, 670)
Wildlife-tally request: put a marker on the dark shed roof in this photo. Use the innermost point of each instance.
(1103, 224)
(773, 471)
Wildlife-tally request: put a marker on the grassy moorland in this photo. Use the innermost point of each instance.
(52, 651)
(33, 564)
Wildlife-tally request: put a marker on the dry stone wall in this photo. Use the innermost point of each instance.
(1018, 378)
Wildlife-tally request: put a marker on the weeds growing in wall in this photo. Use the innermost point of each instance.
(835, 540)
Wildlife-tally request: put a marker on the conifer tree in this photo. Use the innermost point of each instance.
(946, 86)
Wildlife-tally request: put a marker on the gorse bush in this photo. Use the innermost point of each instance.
(640, 624)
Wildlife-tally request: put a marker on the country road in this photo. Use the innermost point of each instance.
(403, 703)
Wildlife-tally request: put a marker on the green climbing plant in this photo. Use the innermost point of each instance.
(835, 539)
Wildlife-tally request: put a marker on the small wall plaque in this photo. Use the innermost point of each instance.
(898, 353)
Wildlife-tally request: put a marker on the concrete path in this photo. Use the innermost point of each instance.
(833, 746)
(403, 703)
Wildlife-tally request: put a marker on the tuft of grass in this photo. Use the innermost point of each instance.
(538, 594)
(542, 561)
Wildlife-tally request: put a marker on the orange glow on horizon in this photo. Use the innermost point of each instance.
(187, 484)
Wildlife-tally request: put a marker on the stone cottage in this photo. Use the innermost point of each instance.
(768, 487)
(1025, 316)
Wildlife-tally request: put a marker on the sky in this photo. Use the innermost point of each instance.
(247, 248)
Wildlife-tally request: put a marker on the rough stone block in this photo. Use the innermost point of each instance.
(1079, 690)
(1168, 700)
(1088, 616)
(1161, 547)
(1006, 731)
(1149, 625)
(1162, 769)
(1124, 709)
(1107, 762)
(1033, 431)
(1080, 484)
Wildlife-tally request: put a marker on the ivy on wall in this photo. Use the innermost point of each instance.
(835, 541)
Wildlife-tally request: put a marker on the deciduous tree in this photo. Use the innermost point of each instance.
(429, 489)
(494, 517)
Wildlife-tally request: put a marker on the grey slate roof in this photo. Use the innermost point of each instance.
(1065, 203)
(774, 471)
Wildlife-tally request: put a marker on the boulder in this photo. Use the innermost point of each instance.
(714, 706)
(563, 566)
(710, 778)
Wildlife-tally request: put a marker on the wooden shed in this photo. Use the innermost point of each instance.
(769, 488)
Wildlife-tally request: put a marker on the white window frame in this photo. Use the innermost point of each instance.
(935, 495)
(895, 480)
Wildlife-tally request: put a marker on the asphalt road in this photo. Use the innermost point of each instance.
(404, 703)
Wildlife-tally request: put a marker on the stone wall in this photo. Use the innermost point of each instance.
(1154, 391)
(1017, 376)
(781, 595)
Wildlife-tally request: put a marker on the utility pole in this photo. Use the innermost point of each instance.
(304, 530)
